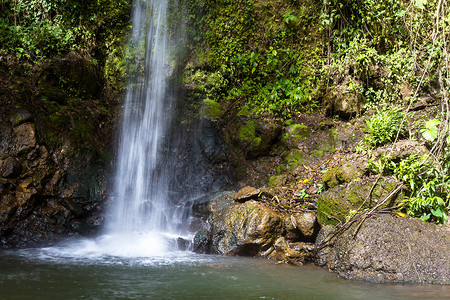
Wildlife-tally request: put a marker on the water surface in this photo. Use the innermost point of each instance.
(68, 272)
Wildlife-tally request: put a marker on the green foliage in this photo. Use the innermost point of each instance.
(383, 127)
(247, 133)
(427, 184)
(431, 130)
(263, 61)
(37, 29)
(429, 190)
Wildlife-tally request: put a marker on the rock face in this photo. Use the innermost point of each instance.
(336, 203)
(45, 195)
(389, 248)
(252, 228)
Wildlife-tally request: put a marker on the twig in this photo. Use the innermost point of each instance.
(370, 212)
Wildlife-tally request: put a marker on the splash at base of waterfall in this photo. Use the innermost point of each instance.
(125, 245)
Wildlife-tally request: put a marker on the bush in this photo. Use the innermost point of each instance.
(383, 127)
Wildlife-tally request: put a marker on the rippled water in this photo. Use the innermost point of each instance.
(81, 271)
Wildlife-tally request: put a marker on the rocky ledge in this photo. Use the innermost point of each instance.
(380, 247)
(389, 248)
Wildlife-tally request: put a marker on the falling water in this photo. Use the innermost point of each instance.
(141, 202)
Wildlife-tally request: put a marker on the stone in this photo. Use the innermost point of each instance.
(306, 222)
(20, 116)
(401, 150)
(183, 244)
(346, 172)
(24, 138)
(390, 248)
(10, 168)
(335, 204)
(241, 229)
(246, 193)
(73, 207)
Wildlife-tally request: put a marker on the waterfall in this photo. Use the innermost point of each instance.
(141, 204)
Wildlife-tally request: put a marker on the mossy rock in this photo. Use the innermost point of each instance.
(335, 204)
(281, 169)
(277, 180)
(294, 159)
(210, 109)
(252, 137)
(246, 229)
(247, 135)
(296, 134)
(342, 174)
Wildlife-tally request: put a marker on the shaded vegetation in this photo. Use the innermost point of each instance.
(281, 59)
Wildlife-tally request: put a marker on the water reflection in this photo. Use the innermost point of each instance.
(43, 273)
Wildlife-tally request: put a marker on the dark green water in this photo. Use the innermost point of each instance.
(58, 273)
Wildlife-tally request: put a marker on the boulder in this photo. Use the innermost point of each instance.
(390, 248)
(346, 172)
(24, 138)
(10, 168)
(254, 137)
(246, 193)
(242, 229)
(335, 204)
(306, 223)
(252, 228)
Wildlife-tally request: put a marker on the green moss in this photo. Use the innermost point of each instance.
(294, 158)
(247, 133)
(335, 205)
(319, 153)
(281, 169)
(341, 174)
(277, 180)
(334, 133)
(300, 131)
(211, 109)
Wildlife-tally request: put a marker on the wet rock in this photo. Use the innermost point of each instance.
(242, 229)
(10, 168)
(343, 101)
(336, 203)
(346, 172)
(246, 193)
(80, 227)
(20, 116)
(24, 138)
(183, 244)
(73, 207)
(211, 146)
(284, 252)
(306, 222)
(401, 150)
(202, 242)
(389, 248)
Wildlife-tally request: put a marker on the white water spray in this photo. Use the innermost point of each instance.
(142, 217)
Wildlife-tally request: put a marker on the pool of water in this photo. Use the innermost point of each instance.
(66, 272)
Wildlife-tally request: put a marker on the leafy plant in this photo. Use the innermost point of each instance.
(431, 129)
(383, 127)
